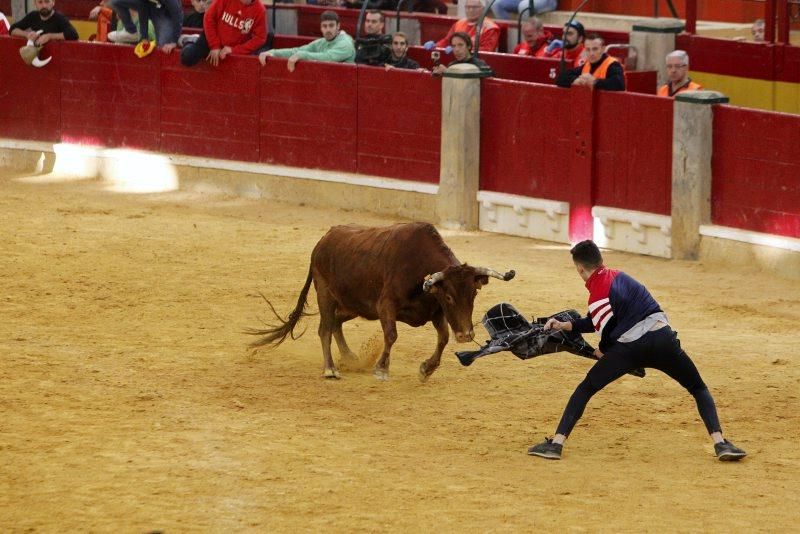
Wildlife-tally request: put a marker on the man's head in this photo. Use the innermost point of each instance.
(462, 45)
(474, 8)
(45, 7)
(329, 25)
(399, 45)
(677, 66)
(532, 30)
(758, 30)
(594, 45)
(373, 22)
(200, 5)
(586, 257)
(574, 34)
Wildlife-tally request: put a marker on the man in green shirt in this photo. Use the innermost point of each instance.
(335, 45)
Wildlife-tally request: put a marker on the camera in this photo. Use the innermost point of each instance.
(435, 56)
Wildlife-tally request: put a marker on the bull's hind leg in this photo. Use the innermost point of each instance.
(427, 367)
(338, 335)
(389, 325)
(327, 323)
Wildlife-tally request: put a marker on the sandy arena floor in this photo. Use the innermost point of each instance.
(128, 402)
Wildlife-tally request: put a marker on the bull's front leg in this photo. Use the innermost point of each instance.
(388, 317)
(427, 367)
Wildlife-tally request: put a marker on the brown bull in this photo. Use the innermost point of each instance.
(401, 273)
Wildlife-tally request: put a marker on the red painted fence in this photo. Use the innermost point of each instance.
(328, 116)
(756, 171)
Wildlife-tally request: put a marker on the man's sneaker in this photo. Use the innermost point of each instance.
(547, 449)
(124, 36)
(728, 452)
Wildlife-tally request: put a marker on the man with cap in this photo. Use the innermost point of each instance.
(572, 44)
(44, 24)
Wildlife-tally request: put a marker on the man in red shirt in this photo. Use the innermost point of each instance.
(490, 33)
(229, 27)
(535, 39)
(573, 45)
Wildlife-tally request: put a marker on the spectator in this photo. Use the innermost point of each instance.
(4, 25)
(53, 25)
(461, 44)
(758, 30)
(194, 19)
(372, 48)
(103, 15)
(167, 17)
(535, 39)
(229, 27)
(428, 6)
(503, 8)
(678, 75)
(575, 36)
(334, 45)
(490, 33)
(600, 71)
(398, 57)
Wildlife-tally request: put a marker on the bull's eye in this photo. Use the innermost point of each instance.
(448, 299)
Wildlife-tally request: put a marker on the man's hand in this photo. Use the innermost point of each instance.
(31, 35)
(586, 80)
(262, 57)
(292, 62)
(43, 39)
(213, 57)
(555, 324)
(168, 48)
(95, 12)
(225, 52)
(598, 353)
(438, 70)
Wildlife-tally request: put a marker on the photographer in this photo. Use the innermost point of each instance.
(373, 47)
(462, 52)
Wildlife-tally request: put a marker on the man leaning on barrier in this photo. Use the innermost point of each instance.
(334, 46)
(462, 52)
(229, 27)
(398, 58)
(373, 47)
(44, 24)
(600, 71)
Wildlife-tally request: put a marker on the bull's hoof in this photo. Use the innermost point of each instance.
(423, 373)
(381, 374)
(331, 373)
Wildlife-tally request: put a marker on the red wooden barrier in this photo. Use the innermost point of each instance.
(210, 111)
(633, 152)
(308, 118)
(29, 97)
(399, 124)
(756, 171)
(536, 141)
(108, 96)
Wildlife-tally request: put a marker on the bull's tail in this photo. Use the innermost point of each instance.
(275, 335)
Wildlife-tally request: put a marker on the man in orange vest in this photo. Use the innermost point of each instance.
(490, 32)
(678, 75)
(600, 71)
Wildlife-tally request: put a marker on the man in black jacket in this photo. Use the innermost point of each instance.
(398, 59)
(600, 71)
(45, 24)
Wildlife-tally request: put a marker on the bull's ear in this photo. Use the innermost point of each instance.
(481, 280)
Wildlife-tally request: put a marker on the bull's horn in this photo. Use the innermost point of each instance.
(432, 279)
(40, 62)
(494, 274)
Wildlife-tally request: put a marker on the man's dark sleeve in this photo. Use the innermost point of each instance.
(24, 23)
(70, 33)
(614, 80)
(583, 325)
(566, 77)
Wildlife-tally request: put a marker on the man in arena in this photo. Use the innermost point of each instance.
(634, 332)
(678, 75)
(334, 45)
(398, 58)
(229, 27)
(600, 71)
(373, 47)
(461, 44)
